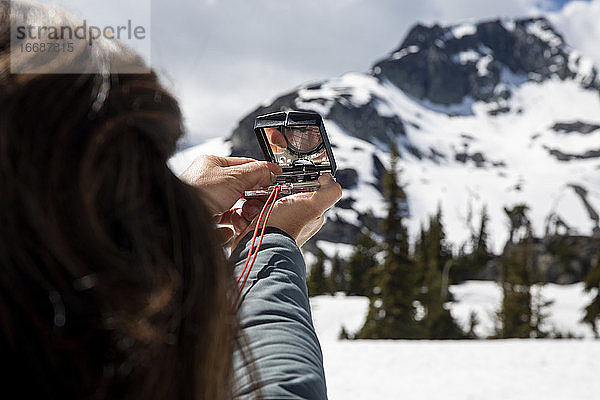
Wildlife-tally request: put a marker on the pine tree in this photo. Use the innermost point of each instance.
(362, 266)
(523, 314)
(392, 310)
(480, 246)
(467, 265)
(519, 223)
(317, 283)
(434, 259)
(421, 257)
(539, 314)
(515, 315)
(338, 278)
(592, 311)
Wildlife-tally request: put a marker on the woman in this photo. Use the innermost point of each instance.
(112, 280)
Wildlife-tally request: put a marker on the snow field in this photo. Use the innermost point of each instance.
(460, 370)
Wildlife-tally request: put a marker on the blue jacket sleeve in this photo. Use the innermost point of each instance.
(276, 323)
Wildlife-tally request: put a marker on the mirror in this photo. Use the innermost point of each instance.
(297, 141)
(293, 143)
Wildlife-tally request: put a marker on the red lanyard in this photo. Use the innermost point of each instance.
(253, 252)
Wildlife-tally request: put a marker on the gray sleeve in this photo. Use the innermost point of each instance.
(276, 323)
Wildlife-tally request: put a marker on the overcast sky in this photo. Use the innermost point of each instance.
(223, 58)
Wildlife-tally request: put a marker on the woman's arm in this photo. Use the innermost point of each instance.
(275, 312)
(276, 323)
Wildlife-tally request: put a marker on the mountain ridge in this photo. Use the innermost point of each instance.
(493, 113)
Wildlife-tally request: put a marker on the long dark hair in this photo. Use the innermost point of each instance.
(112, 283)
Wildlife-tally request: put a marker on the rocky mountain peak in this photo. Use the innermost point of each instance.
(446, 68)
(446, 64)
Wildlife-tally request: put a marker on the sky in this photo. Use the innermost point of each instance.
(224, 58)
(560, 3)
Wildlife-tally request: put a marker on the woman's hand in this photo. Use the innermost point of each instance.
(238, 218)
(302, 215)
(224, 179)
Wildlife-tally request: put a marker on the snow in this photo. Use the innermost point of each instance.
(384, 109)
(459, 370)
(331, 313)
(482, 65)
(467, 56)
(351, 83)
(464, 30)
(509, 25)
(404, 52)
(350, 216)
(482, 298)
(331, 249)
(541, 31)
(462, 370)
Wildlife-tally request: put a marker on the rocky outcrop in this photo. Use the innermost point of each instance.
(562, 156)
(364, 121)
(347, 178)
(446, 64)
(561, 259)
(577, 126)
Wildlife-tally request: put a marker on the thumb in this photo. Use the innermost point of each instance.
(327, 195)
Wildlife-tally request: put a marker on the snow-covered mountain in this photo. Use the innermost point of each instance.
(495, 113)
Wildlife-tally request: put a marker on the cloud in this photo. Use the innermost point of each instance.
(579, 23)
(227, 57)
(223, 58)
